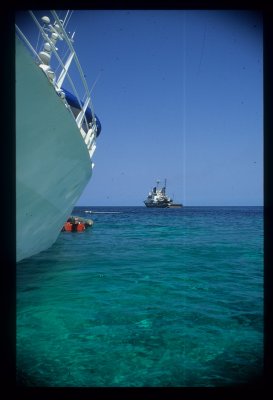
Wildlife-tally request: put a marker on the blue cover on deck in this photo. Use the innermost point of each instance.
(73, 102)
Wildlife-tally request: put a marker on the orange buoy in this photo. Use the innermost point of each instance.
(80, 227)
(68, 227)
(76, 224)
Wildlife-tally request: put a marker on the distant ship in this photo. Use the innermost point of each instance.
(56, 130)
(157, 198)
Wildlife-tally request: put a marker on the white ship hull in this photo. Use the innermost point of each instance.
(52, 161)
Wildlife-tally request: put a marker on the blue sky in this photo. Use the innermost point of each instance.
(179, 96)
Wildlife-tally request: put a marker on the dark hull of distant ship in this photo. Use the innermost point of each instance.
(163, 205)
(156, 205)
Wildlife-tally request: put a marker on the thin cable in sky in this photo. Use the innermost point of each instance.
(202, 50)
(66, 22)
(94, 84)
(184, 110)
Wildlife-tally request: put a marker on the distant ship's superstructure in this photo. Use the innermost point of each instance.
(157, 198)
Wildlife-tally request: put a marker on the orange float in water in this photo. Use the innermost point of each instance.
(68, 227)
(80, 227)
(76, 224)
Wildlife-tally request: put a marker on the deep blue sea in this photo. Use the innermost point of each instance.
(145, 298)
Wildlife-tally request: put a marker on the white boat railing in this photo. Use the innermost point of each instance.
(88, 130)
(68, 41)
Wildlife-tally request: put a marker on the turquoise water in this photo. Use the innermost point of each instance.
(146, 297)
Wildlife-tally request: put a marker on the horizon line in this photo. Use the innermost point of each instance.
(249, 205)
